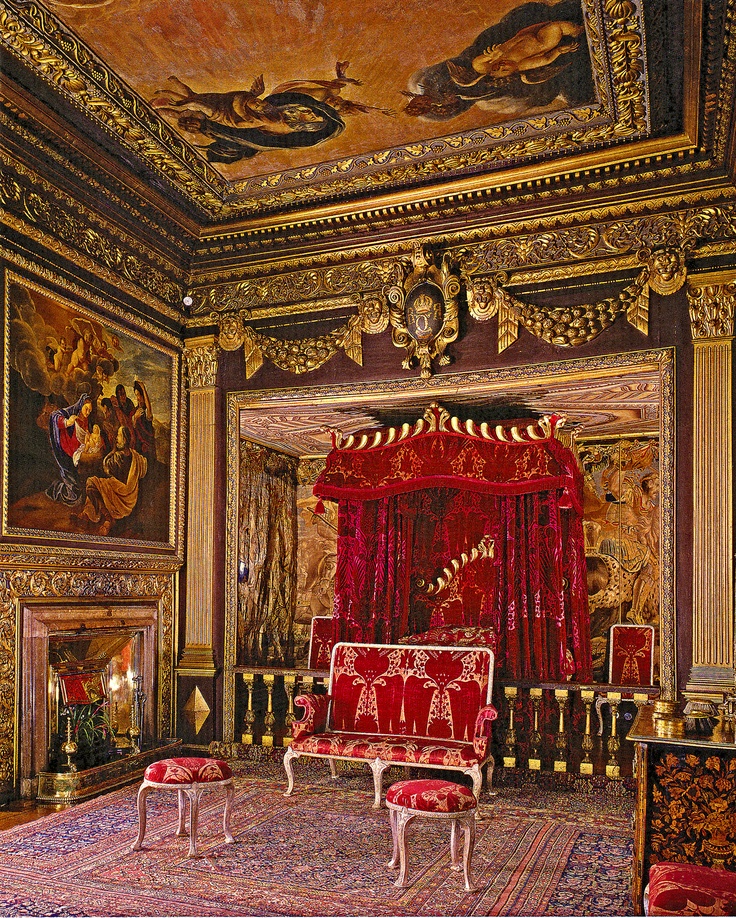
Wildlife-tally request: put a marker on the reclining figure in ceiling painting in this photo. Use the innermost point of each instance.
(240, 123)
(534, 58)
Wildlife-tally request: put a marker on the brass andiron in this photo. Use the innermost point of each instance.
(120, 739)
(136, 715)
(69, 747)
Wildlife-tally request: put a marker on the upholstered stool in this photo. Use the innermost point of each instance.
(432, 799)
(189, 777)
(689, 889)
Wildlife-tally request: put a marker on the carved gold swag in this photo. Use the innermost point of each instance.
(664, 271)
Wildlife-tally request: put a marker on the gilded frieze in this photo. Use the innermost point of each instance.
(17, 586)
(38, 209)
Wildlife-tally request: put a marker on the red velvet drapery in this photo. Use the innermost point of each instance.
(415, 506)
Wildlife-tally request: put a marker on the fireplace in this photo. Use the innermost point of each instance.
(85, 660)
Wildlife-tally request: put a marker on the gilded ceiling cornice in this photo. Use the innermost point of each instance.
(36, 37)
(94, 181)
(31, 33)
(626, 183)
(39, 210)
(533, 250)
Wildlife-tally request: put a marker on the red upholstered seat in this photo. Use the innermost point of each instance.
(688, 889)
(404, 750)
(187, 771)
(431, 796)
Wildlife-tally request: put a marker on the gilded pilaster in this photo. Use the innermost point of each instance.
(201, 369)
(712, 324)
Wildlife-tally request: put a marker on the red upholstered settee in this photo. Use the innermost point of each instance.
(689, 889)
(391, 704)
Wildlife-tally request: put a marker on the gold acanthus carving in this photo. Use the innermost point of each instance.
(306, 354)
(712, 308)
(16, 586)
(62, 60)
(124, 196)
(200, 363)
(569, 326)
(537, 247)
(35, 206)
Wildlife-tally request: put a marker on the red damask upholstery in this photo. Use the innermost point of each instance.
(320, 643)
(631, 660)
(431, 796)
(187, 771)
(454, 636)
(397, 704)
(688, 889)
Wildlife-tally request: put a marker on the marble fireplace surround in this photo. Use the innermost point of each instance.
(43, 621)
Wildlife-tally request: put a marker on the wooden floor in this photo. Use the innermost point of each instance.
(19, 812)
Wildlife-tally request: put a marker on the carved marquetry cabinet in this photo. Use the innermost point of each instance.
(685, 802)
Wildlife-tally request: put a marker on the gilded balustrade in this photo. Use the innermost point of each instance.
(549, 728)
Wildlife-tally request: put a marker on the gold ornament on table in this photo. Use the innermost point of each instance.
(70, 747)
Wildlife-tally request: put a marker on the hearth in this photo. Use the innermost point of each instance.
(87, 693)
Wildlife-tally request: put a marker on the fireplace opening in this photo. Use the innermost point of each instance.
(97, 705)
(88, 680)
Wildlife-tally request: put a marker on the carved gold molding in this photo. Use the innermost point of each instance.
(529, 251)
(423, 311)
(619, 68)
(17, 586)
(712, 301)
(712, 308)
(200, 363)
(425, 334)
(571, 326)
(39, 210)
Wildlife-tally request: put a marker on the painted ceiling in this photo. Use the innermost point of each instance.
(245, 106)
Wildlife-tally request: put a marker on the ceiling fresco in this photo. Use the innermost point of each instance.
(245, 105)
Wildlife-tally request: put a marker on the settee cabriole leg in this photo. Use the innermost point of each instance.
(182, 828)
(288, 756)
(333, 769)
(229, 800)
(477, 775)
(377, 767)
(142, 794)
(490, 765)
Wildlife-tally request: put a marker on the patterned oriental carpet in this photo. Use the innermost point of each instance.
(321, 852)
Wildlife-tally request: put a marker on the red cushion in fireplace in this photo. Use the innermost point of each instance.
(187, 771)
(687, 889)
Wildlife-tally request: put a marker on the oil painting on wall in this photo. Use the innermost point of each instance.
(622, 539)
(89, 417)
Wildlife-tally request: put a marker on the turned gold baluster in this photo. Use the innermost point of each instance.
(613, 769)
(535, 737)
(509, 760)
(269, 719)
(586, 766)
(250, 715)
(561, 739)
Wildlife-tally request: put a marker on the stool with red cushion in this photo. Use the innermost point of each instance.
(432, 799)
(689, 889)
(189, 777)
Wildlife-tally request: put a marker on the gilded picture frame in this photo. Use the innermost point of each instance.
(90, 421)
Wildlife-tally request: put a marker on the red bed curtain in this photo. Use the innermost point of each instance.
(408, 508)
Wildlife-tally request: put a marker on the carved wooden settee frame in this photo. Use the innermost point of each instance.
(391, 704)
